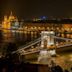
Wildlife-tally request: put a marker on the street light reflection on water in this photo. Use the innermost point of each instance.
(23, 37)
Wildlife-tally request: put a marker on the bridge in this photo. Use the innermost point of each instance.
(47, 41)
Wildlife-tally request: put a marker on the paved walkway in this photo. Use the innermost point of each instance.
(64, 60)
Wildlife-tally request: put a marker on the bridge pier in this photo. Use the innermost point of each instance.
(47, 38)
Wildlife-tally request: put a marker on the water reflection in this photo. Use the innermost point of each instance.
(18, 36)
(24, 36)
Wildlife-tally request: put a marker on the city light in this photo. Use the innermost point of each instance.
(42, 41)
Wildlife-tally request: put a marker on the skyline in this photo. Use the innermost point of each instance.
(36, 8)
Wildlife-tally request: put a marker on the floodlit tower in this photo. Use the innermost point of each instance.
(7, 22)
(47, 38)
(11, 17)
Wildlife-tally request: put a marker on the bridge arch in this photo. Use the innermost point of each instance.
(47, 38)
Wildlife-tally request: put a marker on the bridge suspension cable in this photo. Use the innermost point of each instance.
(37, 41)
(28, 45)
(62, 38)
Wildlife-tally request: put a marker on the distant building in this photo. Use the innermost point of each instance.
(37, 24)
(10, 22)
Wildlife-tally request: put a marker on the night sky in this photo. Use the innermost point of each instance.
(36, 8)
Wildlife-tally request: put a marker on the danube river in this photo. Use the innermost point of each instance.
(23, 37)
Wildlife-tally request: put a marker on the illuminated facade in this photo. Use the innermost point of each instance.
(12, 22)
(8, 21)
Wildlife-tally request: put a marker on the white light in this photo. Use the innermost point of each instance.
(47, 32)
(42, 45)
(44, 52)
(52, 52)
(50, 43)
(44, 36)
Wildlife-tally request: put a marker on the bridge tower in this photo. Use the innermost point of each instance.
(47, 38)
